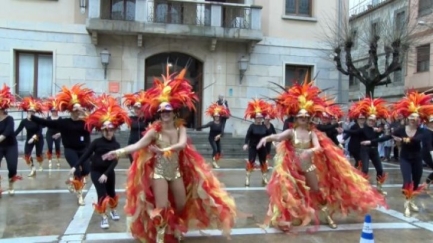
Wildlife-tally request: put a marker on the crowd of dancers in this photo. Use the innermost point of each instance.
(171, 189)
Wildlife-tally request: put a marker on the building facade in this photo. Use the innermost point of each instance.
(388, 19)
(236, 48)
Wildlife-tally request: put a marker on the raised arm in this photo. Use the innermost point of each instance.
(54, 124)
(204, 126)
(280, 136)
(20, 128)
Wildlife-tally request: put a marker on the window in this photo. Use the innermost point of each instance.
(299, 7)
(34, 74)
(354, 38)
(296, 74)
(353, 81)
(400, 21)
(123, 10)
(398, 76)
(424, 7)
(375, 29)
(423, 58)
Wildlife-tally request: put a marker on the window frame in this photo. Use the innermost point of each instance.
(425, 10)
(404, 24)
(310, 66)
(35, 69)
(418, 66)
(310, 10)
(125, 3)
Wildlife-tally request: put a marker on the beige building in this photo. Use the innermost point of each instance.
(236, 48)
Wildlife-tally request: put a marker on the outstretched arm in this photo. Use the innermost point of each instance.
(47, 123)
(280, 136)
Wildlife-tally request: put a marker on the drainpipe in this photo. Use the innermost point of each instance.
(340, 85)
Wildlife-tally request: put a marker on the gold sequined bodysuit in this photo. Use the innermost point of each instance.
(166, 168)
(306, 164)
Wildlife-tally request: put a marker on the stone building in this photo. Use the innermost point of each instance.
(233, 47)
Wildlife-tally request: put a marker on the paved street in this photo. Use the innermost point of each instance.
(44, 211)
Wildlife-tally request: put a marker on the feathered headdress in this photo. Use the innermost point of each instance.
(31, 104)
(171, 93)
(217, 110)
(139, 99)
(51, 104)
(6, 97)
(108, 115)
(332, 109)
(257, 108)
(415, 104)
(300, 100)
(369, 108)
(272, 111)
(104, 100)
(74, 98)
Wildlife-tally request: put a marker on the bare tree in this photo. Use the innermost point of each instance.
(377, 33)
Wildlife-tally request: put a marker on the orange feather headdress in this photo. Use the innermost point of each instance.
(257, 108)
(332, 109)
(369, 108)
(104, 100)
(217, 110)
(414, 105)
(300, 100)
(31, 104)
(139, 99)
(171, 93)
(74, 98)
(108, 115)
(272, 111)
(52, 104)
(6, 97)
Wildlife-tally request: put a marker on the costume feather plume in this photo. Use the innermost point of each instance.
(256, 106)
(51, 104)
(77, 95)
(32, 104)
(217, 109)
(6, 97)
(414, 102)
(109, 113)
(332, 109)
(369, 107)
(138, 99)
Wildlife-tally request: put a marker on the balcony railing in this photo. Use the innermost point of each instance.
(179, 12)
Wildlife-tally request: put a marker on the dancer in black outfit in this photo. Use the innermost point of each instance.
(34, 137)
(257, 109)
(139, 123)
(8, 141)
(413, 107)
(223, 102)
(216, 130)
(355, 142)
(76, 138)
(270, 130)
(52, 136)
(373, 109)
(331, 130)
(106, 118)
(427, 148)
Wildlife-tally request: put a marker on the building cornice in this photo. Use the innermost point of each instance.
(370, 10)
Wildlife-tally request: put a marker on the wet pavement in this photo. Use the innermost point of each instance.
(43, 210)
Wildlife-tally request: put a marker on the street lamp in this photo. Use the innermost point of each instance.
(105, 60)
(243, 66)
(83, 6)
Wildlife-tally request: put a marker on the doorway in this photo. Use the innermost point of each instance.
(156, 65)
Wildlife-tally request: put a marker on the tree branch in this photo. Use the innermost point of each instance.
(337, 60)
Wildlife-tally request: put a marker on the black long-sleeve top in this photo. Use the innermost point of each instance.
(427, 144)
(368, 134)
(288, 123)
(32, 128)
(138, 126)
(215, 128)
(97, 148)
(255, 133)
(7, 127)
(412, 149)
(271, 129)
(330, 130)
(355, 139)
(74, 134)
(52, 131)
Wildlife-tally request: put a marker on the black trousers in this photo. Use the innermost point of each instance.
(216, 146)
(429, 161)
(50, 141)
(371, 153)
(28, 148)
(10, 153)
(387, 152)
(131, 158)
(268, 148)
(104, 189)
(395, 151)
(356, 154)
(253, 152)
(223, 125)
(72, 156)
(411, 169)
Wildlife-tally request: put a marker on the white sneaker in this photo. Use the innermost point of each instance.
(104, 223)
(114, 215)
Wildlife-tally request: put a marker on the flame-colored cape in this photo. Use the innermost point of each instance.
(343, 188)
(207, 205)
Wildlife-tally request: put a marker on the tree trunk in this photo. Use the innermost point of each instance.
(369, 90)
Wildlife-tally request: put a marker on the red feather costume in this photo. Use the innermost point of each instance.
(341, 187)
(217, 110)
(207, 204)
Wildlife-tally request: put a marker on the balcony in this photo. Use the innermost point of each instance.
(175, 19)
